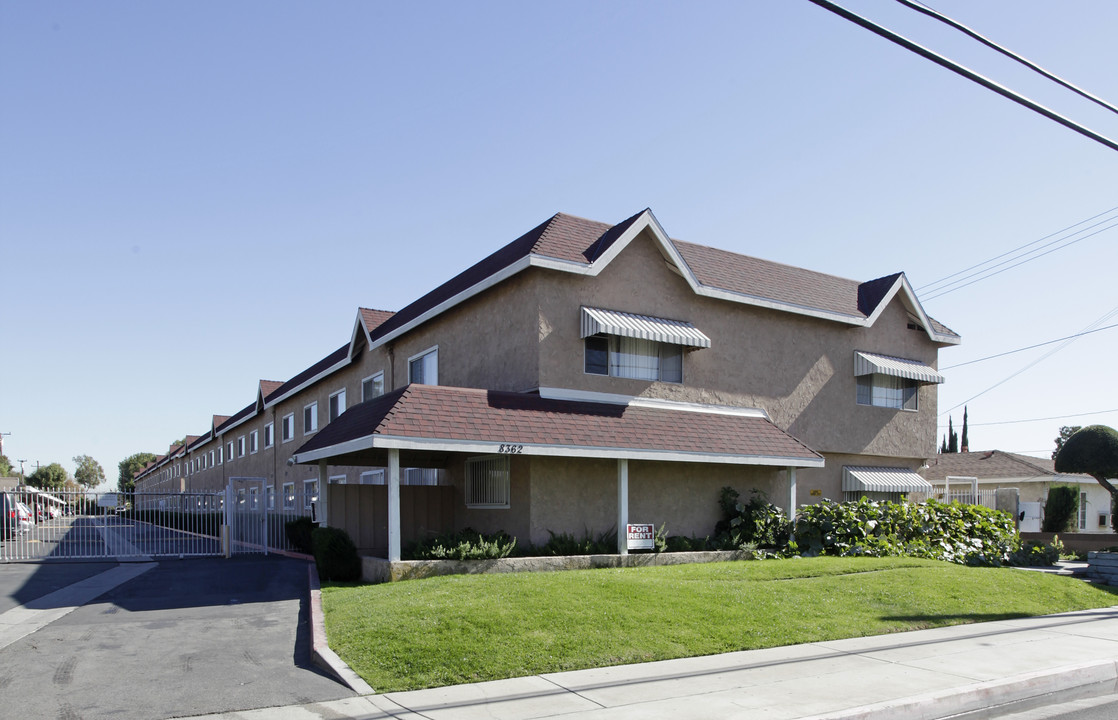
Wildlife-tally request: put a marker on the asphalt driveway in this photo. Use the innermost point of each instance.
(186, 637)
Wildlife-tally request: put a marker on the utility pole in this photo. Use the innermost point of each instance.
(21, 462)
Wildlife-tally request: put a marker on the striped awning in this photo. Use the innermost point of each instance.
(611, 322)
(883, 479)
(868, 364)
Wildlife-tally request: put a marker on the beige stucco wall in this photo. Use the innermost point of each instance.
(797, 368)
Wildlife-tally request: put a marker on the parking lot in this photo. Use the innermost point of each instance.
(185, 637)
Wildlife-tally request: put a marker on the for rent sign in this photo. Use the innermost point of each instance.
(641, 536)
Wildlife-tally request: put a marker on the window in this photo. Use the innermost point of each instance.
(289, 496)
(423, 369)
(269, 435)
(230, 450)
(338, 479)
(254, 441)
(487, 482)
(337, 404)
(310, 493)
(212, 456)
(372, 477)
(372, 387)
(887, 391)
(420, 476)
(220, 455)
(254, 498)
(241, 446)
(633, 358)
(1103, 519)
(1082, 511)
(310, 418)
(270, 497)
(287, 427)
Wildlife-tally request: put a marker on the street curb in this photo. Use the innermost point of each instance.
(321, 654)
(947, 703)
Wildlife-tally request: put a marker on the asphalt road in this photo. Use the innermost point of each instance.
(185, 638)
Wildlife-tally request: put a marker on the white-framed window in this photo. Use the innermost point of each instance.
(220, 455)
(372, 386)
(270, 496)
(337, 404)
(633, 358)
(420, 476)
(310, 493)
(423, 369)
(229, 450)
(1082, 511)
(254, 441)
(289, 496)
(372, 477)
(287, 427)
(488, 485)
(310, 418)
(880, 390)
(213, 455)
(241, 446)
(269, 435)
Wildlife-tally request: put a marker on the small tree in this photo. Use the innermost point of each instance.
(49, 477)
(5, 466)
(1065, 432)
(964, 444)
(1092, 451)
(128, 467)
(89, 472)
(1060, 509)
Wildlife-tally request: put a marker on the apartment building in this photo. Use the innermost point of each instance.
(587, 375)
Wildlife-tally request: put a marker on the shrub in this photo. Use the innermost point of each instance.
(756, 522)
(1037, 554)
(298, 533)
(567, 544)
(1060, 509)
(465, 545)
(335, 555)
(965, 534)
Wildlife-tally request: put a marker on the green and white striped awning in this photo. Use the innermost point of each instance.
(883, 480)
(611, 322)
(868, 364)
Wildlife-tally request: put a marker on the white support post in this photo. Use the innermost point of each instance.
(791, 494)
(622, 506)
(393, 505)
(323, 494)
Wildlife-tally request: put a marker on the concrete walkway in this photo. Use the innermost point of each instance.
(924, 674)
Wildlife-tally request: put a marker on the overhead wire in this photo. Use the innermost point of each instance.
(1044, 419)
(1030, 347)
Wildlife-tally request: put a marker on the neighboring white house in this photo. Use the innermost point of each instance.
(1031, 476)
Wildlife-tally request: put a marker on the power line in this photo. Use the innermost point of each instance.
(1026, 260)
(1030, 420)
(922, 8)
(1019, 248)
(966, 72)
(1107, 316)
(1031, 347)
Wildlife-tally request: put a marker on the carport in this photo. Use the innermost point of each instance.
(430, 426)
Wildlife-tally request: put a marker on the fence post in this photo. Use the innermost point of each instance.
(226, 522)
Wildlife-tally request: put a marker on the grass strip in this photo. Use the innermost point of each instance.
(471, 628)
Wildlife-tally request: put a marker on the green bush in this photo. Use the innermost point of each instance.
(1060, 509)
(1037, 554)
(465, 545)
(298, 533)
(756, 523)
(335, 555)
(567, 544)
(965, 534)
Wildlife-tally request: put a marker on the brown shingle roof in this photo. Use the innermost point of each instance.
(987, 465)
(373, 318)
(441, 413)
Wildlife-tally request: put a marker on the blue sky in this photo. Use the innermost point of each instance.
(195, 196)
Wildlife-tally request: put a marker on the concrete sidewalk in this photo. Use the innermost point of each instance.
(924, 674)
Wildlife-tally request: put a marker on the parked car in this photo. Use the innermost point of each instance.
(9, 516)
(26, 521)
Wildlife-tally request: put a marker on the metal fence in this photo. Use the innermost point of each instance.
(95, 525)
(967, 496)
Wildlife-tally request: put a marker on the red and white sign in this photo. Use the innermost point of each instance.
(641, 536)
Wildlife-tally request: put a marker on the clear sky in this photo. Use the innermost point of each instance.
(198, 195)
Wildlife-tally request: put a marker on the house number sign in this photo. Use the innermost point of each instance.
(508, 449)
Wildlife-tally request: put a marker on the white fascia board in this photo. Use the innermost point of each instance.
(915, 306)
(325, 453)
(755, 301)
(359, 330)
(551, 393)
(480, 287)
(307, 383)
(587, 451)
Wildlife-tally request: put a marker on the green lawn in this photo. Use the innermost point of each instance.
(469, 628)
